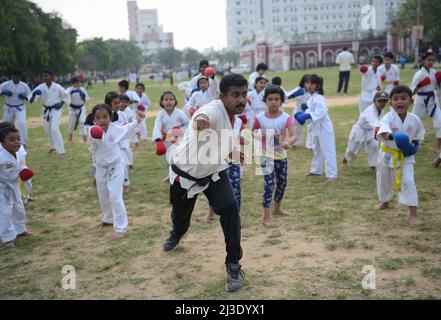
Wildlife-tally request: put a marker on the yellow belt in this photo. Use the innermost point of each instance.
(397, 156)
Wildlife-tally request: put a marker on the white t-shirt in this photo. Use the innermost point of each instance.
(345, 60)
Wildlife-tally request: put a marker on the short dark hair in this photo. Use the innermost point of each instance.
(379, 58)
(16, 73)
(401, 89)
(142, 85)
(48, 72)
(276, 81)
(262, 66)
(316, 79)
(75, 80)
(91, 117)
(232, 80)
(203, 63)
(124, 97)
(304, 79)
(110, 96)
(161, 99)
(274, 90)
(124, 84)
(5, 131)
(345, 49)
(6, 124)
(389, 55)
(258, 79)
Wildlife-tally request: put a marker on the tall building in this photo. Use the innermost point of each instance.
(289, 19)
(146, 31)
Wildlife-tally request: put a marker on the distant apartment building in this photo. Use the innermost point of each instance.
(146, 31)
(291, 34)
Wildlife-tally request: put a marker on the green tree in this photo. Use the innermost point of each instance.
(124, 55)
(94, 55)
(191, 56)
(430, 17)
(170, 58)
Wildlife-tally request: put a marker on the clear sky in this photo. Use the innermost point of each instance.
(199, 24)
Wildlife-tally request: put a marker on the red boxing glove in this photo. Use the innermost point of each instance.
(141, 108)
(396, 83)
(244, 119)
(160, 148)
(97, 132)
(425, 82)
(383, 78)
(364, 69)
(26, 174)
(438, 76)
(377, 129)
(209, 72)
(192, 111)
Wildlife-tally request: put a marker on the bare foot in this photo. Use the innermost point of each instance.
(280, 212)
(437, 162)
(415, 222)
(126, 189)
(117, 236)
(270, 224)
(345, 161)
(131, 169)
(330, 180)
(310, 174)
(9, 245)
(24, 234)
(62, 156)
(382, 207)
(103, 225)
(51, 151)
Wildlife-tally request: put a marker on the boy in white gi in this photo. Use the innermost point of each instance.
(322, 131)
(134, 102)
(204, 65)
(145, 102)
(400, 134)
(77, 112)
(261, 69)
(53, 97)
(389, 73)
(200, 98)
(12, 211)
(16, 93)
(126, 116)
(104, 139)
(371, 82)
(363, 132)
(425, 85)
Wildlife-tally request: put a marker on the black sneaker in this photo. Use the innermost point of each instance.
(235, 277)
(171, 244)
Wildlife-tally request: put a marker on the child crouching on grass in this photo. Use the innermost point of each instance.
(104, 139)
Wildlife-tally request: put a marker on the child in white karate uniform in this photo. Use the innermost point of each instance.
(110, 164)
(12, 211)
(322, 131)
(371, 83)
(257, 105)
(425, 85)
(53, 97)
(400, 134)
(200, 98)
(363, 132)
(126, 116)
(77, 113)
(16, 93)
(145, 102)
(168, 121)
(389, 73)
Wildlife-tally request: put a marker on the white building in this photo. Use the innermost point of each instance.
(145, 30)
(289, 19)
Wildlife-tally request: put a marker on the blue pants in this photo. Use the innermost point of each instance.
(234, 176)
(279, 177)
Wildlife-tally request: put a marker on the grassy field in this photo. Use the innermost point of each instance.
(318, 253)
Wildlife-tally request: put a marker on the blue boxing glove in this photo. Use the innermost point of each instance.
(37, 93)
(22, 96)
(302, 117)
(411, 149)
(297, 93)
(7, 93)
(304, 107)
(401, 140)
